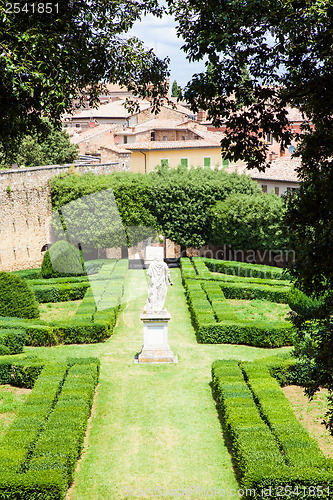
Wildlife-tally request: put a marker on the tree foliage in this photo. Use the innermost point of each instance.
(249, 222)
(175, 89)
(175, 202)
(47, 59)
(287, 48)
(36, 149)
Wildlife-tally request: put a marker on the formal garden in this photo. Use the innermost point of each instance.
(85, 422)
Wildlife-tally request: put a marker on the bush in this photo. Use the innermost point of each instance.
(17, 299)
(258, 334)
(62, 259)
(272, 449)
(60, 292)
(306, 307)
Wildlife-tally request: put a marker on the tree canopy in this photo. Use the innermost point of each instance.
(286, 47)
(36, 149)
(51, 56)
(175, 202)
(249, 222)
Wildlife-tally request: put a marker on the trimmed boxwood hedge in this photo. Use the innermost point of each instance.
(60, 292)
(62, 259)
(39, 451)
(17, 298)
(258, 334)
(246, 270)
(12, 341)
(272, 450)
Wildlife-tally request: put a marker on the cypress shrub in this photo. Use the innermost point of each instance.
(62, 259)
(17, 298)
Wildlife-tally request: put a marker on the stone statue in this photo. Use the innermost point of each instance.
(159, 274)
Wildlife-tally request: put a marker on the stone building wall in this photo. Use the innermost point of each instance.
(26, 209)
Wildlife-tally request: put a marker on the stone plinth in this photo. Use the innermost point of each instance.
(155, 339)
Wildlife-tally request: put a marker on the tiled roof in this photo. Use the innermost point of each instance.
(114, 109)
(160, 145)
(281, 169)
(92, 133)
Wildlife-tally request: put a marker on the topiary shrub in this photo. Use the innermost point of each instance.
(17, 298)
(62, 259)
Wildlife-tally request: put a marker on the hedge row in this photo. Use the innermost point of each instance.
(187, 269)
(20, 373)
(38, 453)
(255, 333)
(12, 340)
(61, 332)
(60, 292)
(252, 291)
(272, 450)
(246, 270)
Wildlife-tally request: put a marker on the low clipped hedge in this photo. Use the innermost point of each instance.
(246, 270)
(12, 341)
(39, 451)
(275, 455)
(60, 292)
(17, 298)
(252, 291)
(20, 373)
(258, 334)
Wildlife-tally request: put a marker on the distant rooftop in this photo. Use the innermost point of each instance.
(281, 169)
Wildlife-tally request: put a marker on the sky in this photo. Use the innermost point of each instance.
(160, 35)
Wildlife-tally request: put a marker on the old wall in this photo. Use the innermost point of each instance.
(26, 209)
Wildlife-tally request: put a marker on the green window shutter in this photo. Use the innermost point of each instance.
(165, 162)
(207, 161)
(225, 163)
(184, 162)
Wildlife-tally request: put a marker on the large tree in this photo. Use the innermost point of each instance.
(53, 53)
(287, 48)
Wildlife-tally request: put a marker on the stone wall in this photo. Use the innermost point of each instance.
(26, 209)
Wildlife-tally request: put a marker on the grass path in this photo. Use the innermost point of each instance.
(155, 426)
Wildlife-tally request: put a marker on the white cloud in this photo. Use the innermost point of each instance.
(160, 34)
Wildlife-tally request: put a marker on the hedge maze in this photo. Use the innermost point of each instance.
(208, 294)
(94, 320)
(39, 451)
(274, 454)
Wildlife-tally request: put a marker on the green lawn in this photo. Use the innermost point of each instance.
(57, 311)
(153, 426)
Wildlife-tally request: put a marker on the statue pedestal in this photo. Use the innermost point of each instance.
(155, 339)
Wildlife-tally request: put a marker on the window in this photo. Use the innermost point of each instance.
(125, 139)
(277, 191)
(225, 163)
(207, 161)
(165, 138)
(152, 135)
(184, 162)
(264, 188)
(164, 162)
